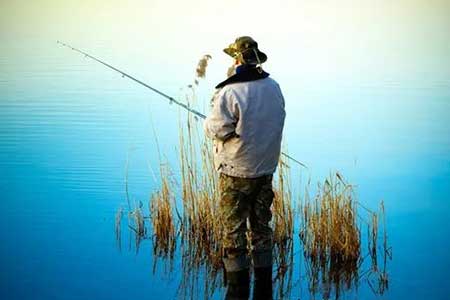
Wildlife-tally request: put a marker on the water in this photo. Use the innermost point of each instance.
(67, 126)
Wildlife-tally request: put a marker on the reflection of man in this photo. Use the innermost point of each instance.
(246, 124)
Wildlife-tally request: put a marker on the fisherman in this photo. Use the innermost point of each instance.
(246, 125)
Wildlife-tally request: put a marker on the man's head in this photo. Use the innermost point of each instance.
(245, 51)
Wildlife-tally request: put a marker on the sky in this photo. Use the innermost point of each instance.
(320, 41)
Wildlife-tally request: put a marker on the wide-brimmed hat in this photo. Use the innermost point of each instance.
(246, 49)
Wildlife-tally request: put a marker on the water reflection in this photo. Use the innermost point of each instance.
(334, 238)
(338, 248)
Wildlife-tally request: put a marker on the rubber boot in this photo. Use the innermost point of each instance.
(262, 289)
(238, 285)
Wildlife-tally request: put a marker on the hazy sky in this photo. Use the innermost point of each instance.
(384, 40)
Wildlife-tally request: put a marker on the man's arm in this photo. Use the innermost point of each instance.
(221, 123)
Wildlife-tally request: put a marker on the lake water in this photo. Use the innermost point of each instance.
(67, 126)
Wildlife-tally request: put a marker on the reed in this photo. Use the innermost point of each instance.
(282, 211)
(332, 239)
(138, 226)
(329, 231)
(162, 218)
(283, 230)
(331, 236)
(378, 278)
(201, 67)
(200, 230)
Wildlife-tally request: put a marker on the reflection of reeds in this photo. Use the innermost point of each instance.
(138, 225)
(380, 283)
(163, 225)
(283, 230)
(283, 253)
(331, 238)
(117, 227)
(372, 241)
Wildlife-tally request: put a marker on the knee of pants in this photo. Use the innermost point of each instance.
(233, 213)
(235, 244)
(262, 240)
(260, 222)
(261, 211)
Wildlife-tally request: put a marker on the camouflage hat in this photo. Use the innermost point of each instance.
(246, 49)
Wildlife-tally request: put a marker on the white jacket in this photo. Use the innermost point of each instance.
(246, 123)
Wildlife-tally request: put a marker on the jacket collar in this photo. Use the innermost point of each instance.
(244, 75)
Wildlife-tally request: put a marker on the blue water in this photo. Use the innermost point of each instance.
(68, 124)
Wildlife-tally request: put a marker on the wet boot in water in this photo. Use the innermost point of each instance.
(238, 285)
(263, 283)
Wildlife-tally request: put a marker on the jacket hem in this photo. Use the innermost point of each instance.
(242, 175)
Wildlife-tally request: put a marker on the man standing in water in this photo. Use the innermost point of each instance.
(246, 124)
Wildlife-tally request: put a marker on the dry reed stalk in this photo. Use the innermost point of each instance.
(283, 254)
(139, 229)
(373, 238)
(283, 215)
(387, 254)
(331, 237)
(163, 224)
(381, 282)
(331, 240)
(283, 230)
(200, 228)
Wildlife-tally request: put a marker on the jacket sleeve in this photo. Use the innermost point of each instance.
(221, 123)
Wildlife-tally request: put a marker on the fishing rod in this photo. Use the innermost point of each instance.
(171, 99)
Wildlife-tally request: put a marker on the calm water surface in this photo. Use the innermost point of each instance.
(67, 126)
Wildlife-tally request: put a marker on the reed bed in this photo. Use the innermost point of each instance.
(331, 235)
(329, 232)
(200, 227)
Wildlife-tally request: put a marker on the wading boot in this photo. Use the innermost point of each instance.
(262, 289)
(238, 285)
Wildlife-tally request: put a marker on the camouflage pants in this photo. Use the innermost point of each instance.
(243, 199)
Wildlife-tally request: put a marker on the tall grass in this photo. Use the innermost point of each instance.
(162, 218)
(282, 210)
(200, 227)
(283, 230)
(330, 234)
